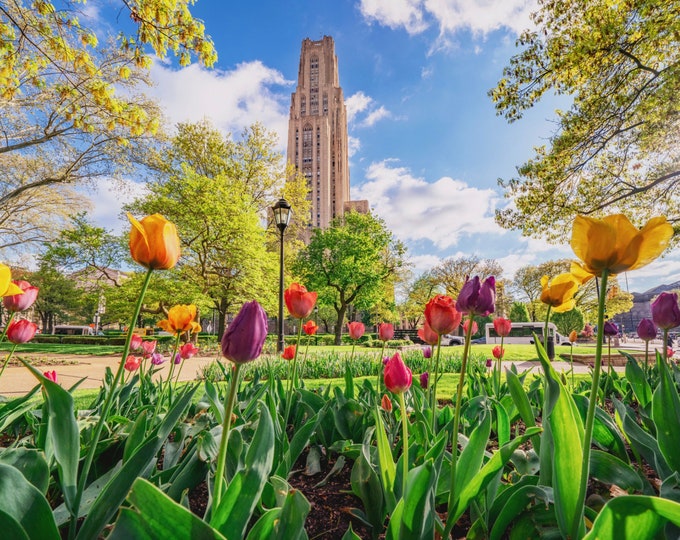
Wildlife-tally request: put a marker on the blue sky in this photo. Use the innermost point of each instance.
(427, 146)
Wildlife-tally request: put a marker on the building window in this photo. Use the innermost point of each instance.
(325, 104)
(307, 144)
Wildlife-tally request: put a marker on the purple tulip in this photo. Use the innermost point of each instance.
(489, 362)
(157, 359)
(424, 380)
(665, 311)
(646, 330)
(178, 358)
(244, 337)
(610, 329)
(385, 360)
(478, 298)
(427, 352)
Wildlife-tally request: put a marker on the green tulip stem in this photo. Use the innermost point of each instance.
(665, 345)
(168, 382)
(9, 356)
(105, 410)
(9, 321)
(220, 473)
(291, 383)
(545, 328)
(571, 363)
(433, 394)
(646, 359)
(497, 374)
(456, 425)
(380, 369)
(590, 415)
(404, 456)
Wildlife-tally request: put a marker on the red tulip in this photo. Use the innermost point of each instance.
(397, 376)
(288, 352)
(188, 350)
(51, 375)
(356, 329)
(21, 302)
(428, 335)
(474, 327)
(310, 327)
(148, 348)
(441, 314)
(385, 331)
(299, 302)
(132, 363)
(21, 331)
(498, 352)
(502, 326)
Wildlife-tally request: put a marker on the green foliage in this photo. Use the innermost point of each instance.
(568, 321)
(615, 148)
(519, 312)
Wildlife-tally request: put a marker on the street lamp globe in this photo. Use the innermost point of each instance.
(282, 214)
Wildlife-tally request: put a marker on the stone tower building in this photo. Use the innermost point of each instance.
(317, 132)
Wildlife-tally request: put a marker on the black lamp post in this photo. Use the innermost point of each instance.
(282, 214)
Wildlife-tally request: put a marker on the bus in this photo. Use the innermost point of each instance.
(523, 332)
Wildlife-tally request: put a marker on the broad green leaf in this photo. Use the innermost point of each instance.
(29, 462)
(11, 528)
(350, 534)
(516, 503)
(115, 491)
(566, 428)
(23, 503)
(366, 485)
(16, 408)
(634, 516)
(414, 518)
(243, 493)
(666, 415)
(472, 456)
(297, 445)
(606, 434)
(611, 470)
(385, 461)
(154, 515)
(638, 381)
(136, 436)
(62, 432)
(521, 401)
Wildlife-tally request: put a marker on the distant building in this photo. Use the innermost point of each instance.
(317, 134)
(641, 309)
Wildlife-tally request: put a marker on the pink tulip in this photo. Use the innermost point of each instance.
(188, 350)
(51, 375)
(148, 348)
(21, 302)
(385, 331)
(132, 363)
(397, 376)
(21, 331)
(356, 329)
(502, 326)
(474, 327)
(135, 342)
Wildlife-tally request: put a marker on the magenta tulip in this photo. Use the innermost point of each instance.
(51, 375)
(244, 337)
(397, 376)
(610, 329)
(21, 302)
(665, 311)
(424, 380)
(427, 352)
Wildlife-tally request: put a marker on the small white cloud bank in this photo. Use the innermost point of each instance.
(363, 111)
(442, 212)
(232, 100)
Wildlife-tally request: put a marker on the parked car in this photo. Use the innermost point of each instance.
(479, 341)
(450, 339)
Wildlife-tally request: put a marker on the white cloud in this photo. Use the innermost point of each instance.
(665, 270)
(353, 145)
(232, 100)
(360, 104)
(375, 116)
(478, 16)
(442, 212)
(357, 103)
(395, 14)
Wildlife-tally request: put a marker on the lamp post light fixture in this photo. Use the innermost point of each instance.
(282, 214)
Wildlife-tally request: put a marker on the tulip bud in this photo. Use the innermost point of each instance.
(386, 404)
(665, 311)
(424, 380)
(397, 376)
(135, 342)
(385, 331)
(427, 352)
(244, 337)
(21, 331)
(489, 362)
(157, 359)
(466, 324)
(356, 330)
(21, 302)
(646, 330)
(299, 301)
(188, 350)
(610, 329)
(498, 352)
(154, 242)
(51, 375)
(573, 336)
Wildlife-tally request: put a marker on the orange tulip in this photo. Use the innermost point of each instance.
(299, 301)
(181, 319)
(154, 242)
(310, 327)
(288, 352)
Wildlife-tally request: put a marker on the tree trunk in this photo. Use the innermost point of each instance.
(338, 325)
(221, 317)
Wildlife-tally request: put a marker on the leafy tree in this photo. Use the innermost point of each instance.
(350, 263)
(59, 298)
(527, 283)
(568, 321)
(71, 108)
(418, 293)
(451, 273)
(519, 312)
(616, 148)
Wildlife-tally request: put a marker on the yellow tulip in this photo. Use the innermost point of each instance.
(614, 244)
(181, 319)
(559, 292)
(7, 288)
(154, 242)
